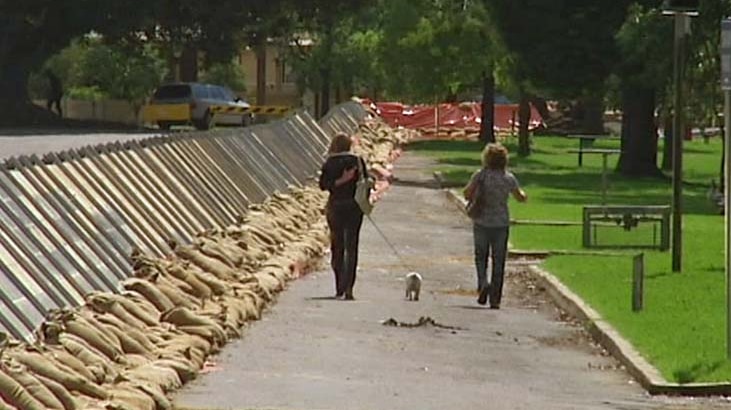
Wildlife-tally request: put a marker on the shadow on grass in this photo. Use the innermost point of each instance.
(461, 161)
(445, 146)
(658, 275)
(577, 185)
(696, 371)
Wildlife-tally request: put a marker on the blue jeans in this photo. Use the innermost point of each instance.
(492, 242)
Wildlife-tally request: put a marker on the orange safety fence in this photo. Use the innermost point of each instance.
(451, 115)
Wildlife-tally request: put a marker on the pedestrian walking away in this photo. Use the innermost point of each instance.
(55, 92)
(338, 176)
(489, 188)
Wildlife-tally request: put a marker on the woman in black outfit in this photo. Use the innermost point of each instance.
(338, 176)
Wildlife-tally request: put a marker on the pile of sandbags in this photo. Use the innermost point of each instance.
(380, 145)
(128, 350)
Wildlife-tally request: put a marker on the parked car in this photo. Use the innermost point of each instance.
(207, 105)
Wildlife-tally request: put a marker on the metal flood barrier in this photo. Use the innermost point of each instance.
(344, 118)
(71, 219)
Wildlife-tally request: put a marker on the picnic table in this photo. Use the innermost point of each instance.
(604, 153)
(586, 141)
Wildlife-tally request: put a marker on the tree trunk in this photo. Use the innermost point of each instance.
(15, 105)
(523, 123)
(541, 106)
(487, 125)
(261, 71)
(639, 133)
(189, 64)
(325, 91)
(591, 119)
(338, 95)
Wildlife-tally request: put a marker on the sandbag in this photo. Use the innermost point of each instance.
(208, 264)
(206, 332)
(88, 316)
(33, 386)
(104, 304)
(135, 360)
(213, 250)
(200, 289)
(146, 339)
(129, 345)
(61, 393)
(63, 356)
(98, 365)
(147, 317)
(42, 366)
(123, 393)
(177, 296)
(156, 394)
(141, 302)
(183, 367)
(150, 292)
(181, 316)
(13, 393)
(217, 286)
(94, 338)
(6, 406)
(164, 377)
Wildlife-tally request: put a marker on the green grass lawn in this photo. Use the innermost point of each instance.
(682, 328)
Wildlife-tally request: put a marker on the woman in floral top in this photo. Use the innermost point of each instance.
(492, 224)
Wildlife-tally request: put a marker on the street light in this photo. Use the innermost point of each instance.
(681, 10)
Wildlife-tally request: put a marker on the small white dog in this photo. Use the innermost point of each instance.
(413, 286)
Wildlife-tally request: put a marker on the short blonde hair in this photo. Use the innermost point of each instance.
(341, 142)
(495, 156)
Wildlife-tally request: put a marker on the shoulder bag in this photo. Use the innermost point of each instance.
(363, 190)
(475, 203)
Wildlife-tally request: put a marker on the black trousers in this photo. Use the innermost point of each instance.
(344, 221)
(57, 102)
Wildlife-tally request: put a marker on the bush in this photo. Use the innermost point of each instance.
(226, 74)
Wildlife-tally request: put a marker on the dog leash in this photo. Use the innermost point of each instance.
(393, 248)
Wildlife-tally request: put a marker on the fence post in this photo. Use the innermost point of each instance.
(638, 279)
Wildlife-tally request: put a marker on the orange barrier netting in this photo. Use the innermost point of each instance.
(451, 115)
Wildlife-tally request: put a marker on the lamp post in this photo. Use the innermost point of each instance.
(681, 10)
(726, 87)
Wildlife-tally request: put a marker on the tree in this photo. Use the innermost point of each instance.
(329, 25)
(227, 74)
(30, 32)
(561, 50)
(448, 37)
(645, 45)
(123, 71)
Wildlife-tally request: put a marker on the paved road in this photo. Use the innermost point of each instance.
(310, 352)
(17, 143)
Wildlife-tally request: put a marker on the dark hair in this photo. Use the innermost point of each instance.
(341, 142)
(495, 156)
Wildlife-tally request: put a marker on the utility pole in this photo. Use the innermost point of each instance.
(726, 87)
(681, 10)
(678, 131)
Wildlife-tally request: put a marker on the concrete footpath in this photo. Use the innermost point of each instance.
(311, 352)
